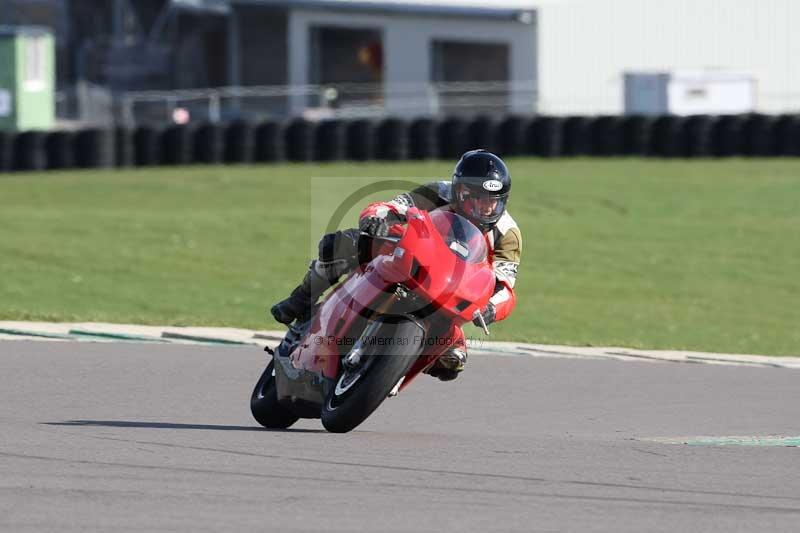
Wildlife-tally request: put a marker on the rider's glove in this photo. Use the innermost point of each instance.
(375, 226)
(488, 314)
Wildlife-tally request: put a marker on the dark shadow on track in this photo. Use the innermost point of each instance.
(168, 425)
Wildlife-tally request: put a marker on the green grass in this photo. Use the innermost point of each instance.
(659, 254)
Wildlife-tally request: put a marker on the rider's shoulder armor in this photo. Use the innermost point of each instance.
(426, 197)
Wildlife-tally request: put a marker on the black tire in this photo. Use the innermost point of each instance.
(94, 148)
(29, 151)
(637, 135)
(6, 151)
(392, 136)
(270, 146)
(357, 394)
(147, 147)
(452, 138)
(124, 148)
(360, 135)
(606, 136)
(423, 139)
(300, 136)
(239, 142)
(264, 403)
(545, 137)
(666, 138)
(330, 140)
(208, 144)
(59, 148)
(511, 135)
(577, 136)
(176, 145)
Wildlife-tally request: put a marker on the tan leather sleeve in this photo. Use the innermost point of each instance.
(507, 255)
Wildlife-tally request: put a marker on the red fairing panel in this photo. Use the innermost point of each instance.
(319, 351)
(441, 278)
(504, 299)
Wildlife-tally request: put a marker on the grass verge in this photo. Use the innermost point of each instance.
(700, 255)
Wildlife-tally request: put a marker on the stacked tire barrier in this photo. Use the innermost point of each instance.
(269, 145)
(395, 139)
(208, 144)
(60, 149)
(239, 142)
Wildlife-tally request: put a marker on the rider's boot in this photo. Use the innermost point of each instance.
(300, 303)
(451, 363)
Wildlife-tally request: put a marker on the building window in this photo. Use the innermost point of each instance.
(34, 67)
(341, 57)
(457, 64)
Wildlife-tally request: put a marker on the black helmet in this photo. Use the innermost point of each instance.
(480, 188)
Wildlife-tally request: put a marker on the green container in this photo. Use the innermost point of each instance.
(27, 74)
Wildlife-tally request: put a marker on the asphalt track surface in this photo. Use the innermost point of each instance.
(119, 437)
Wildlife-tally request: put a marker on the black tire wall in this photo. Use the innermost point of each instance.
(269, 145)
(94, 148)
(395, 139)
(147, 146)
(696, 136)
(7, 141)
(393, 142)
(606, 133)
(301, 141)
(423, 139)
(209, 144)
(330, 141)
(637, 135)
(29, 151)
(512, 136)
(545, 137)
(239, 142)
(60, 148)
(177, 145)
(666, 136)
(361, 140)
(125, 148)
(452, 138)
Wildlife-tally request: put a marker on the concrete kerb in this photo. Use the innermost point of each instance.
(101, 332)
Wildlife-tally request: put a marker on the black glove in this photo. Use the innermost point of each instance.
(488, 315)
(374, 226)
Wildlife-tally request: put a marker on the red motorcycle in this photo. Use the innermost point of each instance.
(384, 324)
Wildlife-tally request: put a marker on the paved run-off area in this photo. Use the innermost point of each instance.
(158, 437)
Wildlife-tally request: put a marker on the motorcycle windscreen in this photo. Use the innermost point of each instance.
(461, 236)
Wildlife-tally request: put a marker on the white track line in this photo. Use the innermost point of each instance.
(480, 347)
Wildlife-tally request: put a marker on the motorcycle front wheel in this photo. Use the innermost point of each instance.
(386, 356)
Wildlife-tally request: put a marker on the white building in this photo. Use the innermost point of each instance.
(586, 46)
(421, 43)
(418, 57)
(575, 53)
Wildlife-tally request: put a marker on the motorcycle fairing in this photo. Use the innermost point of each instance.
(331, 331)
(312, 366)
(466, 288)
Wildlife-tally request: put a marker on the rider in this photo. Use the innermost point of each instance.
(478, 191)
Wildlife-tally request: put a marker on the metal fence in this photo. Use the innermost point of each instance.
(90, 104)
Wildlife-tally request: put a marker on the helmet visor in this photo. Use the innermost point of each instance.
(483, 208)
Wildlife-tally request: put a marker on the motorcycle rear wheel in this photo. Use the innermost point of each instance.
(264, 403)
(359, 391)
